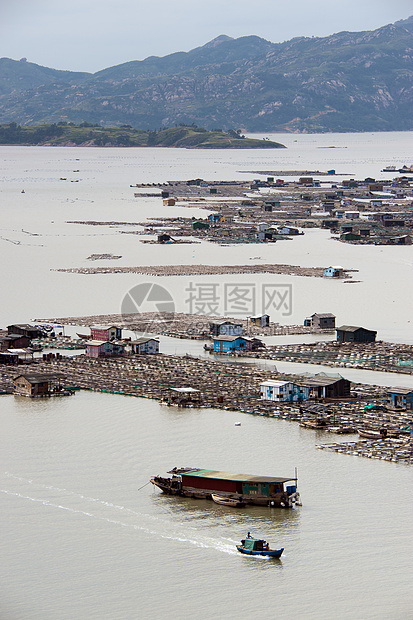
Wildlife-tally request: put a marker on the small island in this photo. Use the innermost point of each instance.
(87, 134)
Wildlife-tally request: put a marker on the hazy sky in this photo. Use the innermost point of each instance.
(89, 35)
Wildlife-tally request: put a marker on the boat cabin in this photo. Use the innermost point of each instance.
(255, 544)
(262, 489)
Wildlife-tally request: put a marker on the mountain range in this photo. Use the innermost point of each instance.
(349, 81)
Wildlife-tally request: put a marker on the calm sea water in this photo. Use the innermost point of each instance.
(82, 536)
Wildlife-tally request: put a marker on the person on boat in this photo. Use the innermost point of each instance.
(249, 535)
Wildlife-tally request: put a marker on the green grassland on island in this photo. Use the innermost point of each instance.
(86, 134)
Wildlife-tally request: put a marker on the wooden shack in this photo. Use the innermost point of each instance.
(324, 386)
(352, 333)
(24, 329)
(325, 320)
(34, 384)
(14, 341)
(333, 272)
(143, 346)
(260, 320)
(184, 397)
(401, 397)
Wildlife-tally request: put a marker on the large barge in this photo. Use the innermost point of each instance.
(249, 489)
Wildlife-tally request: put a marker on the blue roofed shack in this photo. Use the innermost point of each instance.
(401, 397)
(228, 344)
(333, 272)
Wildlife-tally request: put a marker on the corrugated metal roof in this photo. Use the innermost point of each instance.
(317, 381)
(225, 475)
(353, 328)
(270, 383)
(34, 378)
(400, 390)
(324, 315)
(228, 338)
(104, 327)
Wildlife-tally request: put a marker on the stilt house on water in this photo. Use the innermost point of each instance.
(24, 329)
(401, 397)
(105, 332)
(143, 345)
(260, 320)
(352, 333)
(325, 320)
(228, 344)
(309, 387)
(39, 385)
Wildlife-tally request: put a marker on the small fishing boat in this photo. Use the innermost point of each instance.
(318, 423)
(367, 433)
(383, 433)
(258, 546)
(232, 502)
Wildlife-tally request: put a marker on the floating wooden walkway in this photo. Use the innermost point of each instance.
(202, 270)
(223, 386)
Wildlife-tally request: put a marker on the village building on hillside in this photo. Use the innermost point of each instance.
(352, 333)
(225, 328)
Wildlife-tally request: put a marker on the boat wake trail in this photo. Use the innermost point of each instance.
(136, 521)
